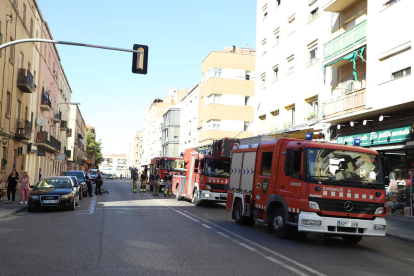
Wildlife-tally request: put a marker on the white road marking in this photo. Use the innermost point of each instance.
(206, 226)
(256, 244)
(133, 208)
(409, 259)
(246, 246)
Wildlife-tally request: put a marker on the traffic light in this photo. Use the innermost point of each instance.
(140, 60)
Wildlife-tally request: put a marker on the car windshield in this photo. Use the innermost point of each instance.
(79, 175)
(54, 183)
(343, 167)
(172, 164)
(217, 167)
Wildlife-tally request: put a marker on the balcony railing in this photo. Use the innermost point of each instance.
(23, 129)
(25, 80)
(58, 117)
(345, 41)
(45, 104)
(311, 62)
(47, 141)
(347, 103)
(313, 17)
(63, 125)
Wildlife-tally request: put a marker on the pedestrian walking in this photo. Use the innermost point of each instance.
(155, 185)
(12, 186)
(121, 175)
(88, 179)
(98, 183)
(134, 181)
(24, 188)
(143, 182)
(167, 181)
(40, 173)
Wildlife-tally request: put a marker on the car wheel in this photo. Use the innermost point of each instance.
(73, 207)
(278, 223)
(238, 213)
(352, 239)
(80, 195)
(177, 197)
(196, 200)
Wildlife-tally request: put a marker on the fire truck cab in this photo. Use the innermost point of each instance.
(306, 186)
(162, 165)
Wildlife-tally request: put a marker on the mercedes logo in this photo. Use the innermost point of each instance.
(348, 206)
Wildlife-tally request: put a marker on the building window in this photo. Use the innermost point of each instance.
(247, 101)
(213, 72)
(313, 13)
(275, 70)
(290, 118)
(349, 25)
(213, 124)
(291, 24)
(312, 53)
(31, 27)
(290, 65)
(24, 13)
(8, 104)
(263, 81)
(21, 59)
(213, 99)
(277, 35)
(262, 124)
(247, 75)
(390, 3)
(264, 41)
(402, 73)
(313, 108)
(264, 8)
(274, 120)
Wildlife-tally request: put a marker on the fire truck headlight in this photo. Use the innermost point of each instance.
(207, 195)
(208, 187)
(311, 222)
(313, 205)
(379, 227)
(379, 211)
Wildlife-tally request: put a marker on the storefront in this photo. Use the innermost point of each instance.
(396, 144)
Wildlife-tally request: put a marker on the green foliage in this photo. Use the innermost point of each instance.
(94, 149)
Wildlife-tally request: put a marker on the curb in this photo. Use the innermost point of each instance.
(399, 237)
(13, 213)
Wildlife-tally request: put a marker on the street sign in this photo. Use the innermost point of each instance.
(140, 60)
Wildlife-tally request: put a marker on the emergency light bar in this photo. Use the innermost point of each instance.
(357, 142)
(309, 136)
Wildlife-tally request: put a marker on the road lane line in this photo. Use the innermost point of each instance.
(409, 259)
(246, 246)
(206, 226)
(287, 266)
(93, 205)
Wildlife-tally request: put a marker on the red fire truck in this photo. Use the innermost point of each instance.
(162, 165)
(207, 173)
(306, 186)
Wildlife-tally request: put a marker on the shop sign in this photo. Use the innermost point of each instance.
(41, 152)
(390, 136)
(60, 157)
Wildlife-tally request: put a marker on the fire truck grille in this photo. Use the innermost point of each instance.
(358, 207)
(221, 187)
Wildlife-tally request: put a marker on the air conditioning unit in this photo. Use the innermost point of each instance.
(21, 150)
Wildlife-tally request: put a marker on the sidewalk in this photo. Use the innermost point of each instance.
(8, 210)
(400, 227)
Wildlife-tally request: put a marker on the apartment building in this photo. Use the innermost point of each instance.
(77, 141)
(226, 94)
(115, 164)
(137, 150)
(288, 64)
(189, 118)
(171, 132)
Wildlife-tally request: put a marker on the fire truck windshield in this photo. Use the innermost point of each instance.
(171, 164)
(344, 168)
(217, 167)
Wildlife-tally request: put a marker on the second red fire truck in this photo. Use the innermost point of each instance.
(206, 174)
(162, 165)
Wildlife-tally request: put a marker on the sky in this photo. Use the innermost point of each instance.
(180, 34)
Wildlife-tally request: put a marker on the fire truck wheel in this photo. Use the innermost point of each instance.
(238, 213)
(279, 227)
(196, 200)
(352, 239)
(177, 197)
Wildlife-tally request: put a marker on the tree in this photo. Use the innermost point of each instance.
(94, 149)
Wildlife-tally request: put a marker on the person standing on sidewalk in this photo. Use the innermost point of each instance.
(134, 181)
(12, 186)
(89, 183)
(143, 182)
(24, 188)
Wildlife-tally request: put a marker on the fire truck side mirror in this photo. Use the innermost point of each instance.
(386, 171)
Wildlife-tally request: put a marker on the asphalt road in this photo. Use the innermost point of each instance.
(122, 233)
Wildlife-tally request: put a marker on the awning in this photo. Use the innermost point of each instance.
(351, 57)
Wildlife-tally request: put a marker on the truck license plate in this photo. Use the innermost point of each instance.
(347, 223)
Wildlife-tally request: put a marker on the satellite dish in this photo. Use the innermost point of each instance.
(41, 121)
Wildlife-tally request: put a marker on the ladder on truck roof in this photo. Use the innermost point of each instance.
(219, 148)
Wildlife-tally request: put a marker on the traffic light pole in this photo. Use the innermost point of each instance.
(67, 43)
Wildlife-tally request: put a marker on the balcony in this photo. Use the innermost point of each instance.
(312, 17)
(23, 129)
(63, 125)
(345, 41)
(46, 141)
(57, 118)
(68, 132)
(46, 105)
(68, 153)
(352, 101)
(337, 5)
(25, 80)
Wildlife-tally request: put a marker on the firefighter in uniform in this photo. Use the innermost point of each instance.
(134, 181)
(155, 185)
(168, 181)
(143, 182)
